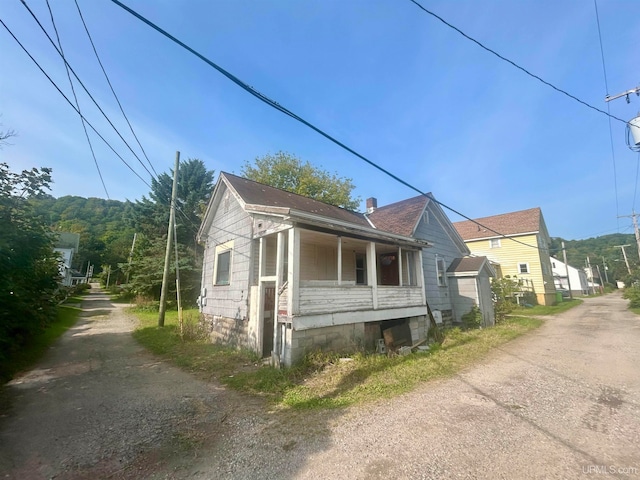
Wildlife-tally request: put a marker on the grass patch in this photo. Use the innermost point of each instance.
(325, 380)
(635, 310)
(547, 309)
(36, 347)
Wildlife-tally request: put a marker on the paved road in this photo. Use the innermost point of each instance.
(562, 402)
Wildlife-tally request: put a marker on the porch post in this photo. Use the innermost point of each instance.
(339, 260)
(420, 276)
(400, 266)
(279, 277)
(372, 274)
(261, 259)
(293, 299)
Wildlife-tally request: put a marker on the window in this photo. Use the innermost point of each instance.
(361, 269)
(442, 272)
(425, 217)
(523, 268)
(494, 243)
(222, 266)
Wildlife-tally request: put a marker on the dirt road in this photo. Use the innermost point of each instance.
(562, 402)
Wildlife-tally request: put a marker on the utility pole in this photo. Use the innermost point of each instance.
(167, 256)
(593, 287)
(566, 267)
(634, 216)
(133, 245)
(604, 265)
(108, 275)
(624, 254)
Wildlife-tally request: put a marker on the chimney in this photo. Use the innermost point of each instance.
(372, 204)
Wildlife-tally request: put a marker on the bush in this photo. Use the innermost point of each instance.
(632, 294)
(472, 319)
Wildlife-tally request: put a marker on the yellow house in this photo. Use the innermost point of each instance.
(519, 242)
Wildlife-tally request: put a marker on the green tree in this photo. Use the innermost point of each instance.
(288, 172)
(150, 217)
(29, 267)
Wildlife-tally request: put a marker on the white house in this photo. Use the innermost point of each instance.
(564, 274)
(284, 274)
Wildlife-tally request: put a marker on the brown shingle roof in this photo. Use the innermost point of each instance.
(400, 217)
(466, 264)
(524, 221)
(255, 193)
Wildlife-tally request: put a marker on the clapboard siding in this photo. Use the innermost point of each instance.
(432, 230)
(398, 297)
(315, 300)
(230, 223)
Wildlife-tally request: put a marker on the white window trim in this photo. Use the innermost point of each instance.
(221, 249)
(442, 283)
(520, 272)
(493, 240)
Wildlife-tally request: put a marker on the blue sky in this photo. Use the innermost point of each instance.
(386, 79)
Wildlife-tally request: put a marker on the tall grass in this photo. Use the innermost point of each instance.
(325, 380)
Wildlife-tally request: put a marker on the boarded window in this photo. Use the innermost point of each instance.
(494, 243)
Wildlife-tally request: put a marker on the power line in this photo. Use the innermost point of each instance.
(112, 89)
(72, 105)
(284, 110)
(511, 62)
(613, 151)
(75, 97)
(85, 88)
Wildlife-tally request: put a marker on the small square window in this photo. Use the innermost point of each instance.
(223, 267)
(494, 243)
(523, 268)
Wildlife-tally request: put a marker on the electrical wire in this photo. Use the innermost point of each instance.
(289, 113)
(613, 151)
(75, 97)
(70, 103)
(85, 88)
(512, 63)
(111, 87)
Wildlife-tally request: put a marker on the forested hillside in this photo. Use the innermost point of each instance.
(105, 232)
(600, 250)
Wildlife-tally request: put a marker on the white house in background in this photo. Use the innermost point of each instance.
(284, 274)
(67, 246)
(564, 274)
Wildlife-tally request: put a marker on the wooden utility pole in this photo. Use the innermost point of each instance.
(167, 256)
(604, 265)
(624, 254)
(634, 217)
(133, 246)
(566, 267)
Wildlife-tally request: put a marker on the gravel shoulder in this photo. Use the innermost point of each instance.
(562, 402)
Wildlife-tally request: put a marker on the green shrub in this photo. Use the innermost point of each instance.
(473, 318)
(632, 294)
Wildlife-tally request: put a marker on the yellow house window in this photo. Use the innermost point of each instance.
(523, 268)
(494, 243)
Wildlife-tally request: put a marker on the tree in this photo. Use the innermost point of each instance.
(29, 267)
(150, 216)
(288, 172)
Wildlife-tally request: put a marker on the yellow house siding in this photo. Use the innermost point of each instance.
(511, 253)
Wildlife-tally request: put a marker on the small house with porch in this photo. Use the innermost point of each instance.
(284, 274)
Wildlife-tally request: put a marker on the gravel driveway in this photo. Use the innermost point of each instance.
(561, 402)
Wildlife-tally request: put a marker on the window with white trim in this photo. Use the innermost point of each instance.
(494, 243)
(523, 268)
(441, 269)
(222, 267)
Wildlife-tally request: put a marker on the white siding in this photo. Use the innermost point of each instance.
(234, 224)
(315, 300)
